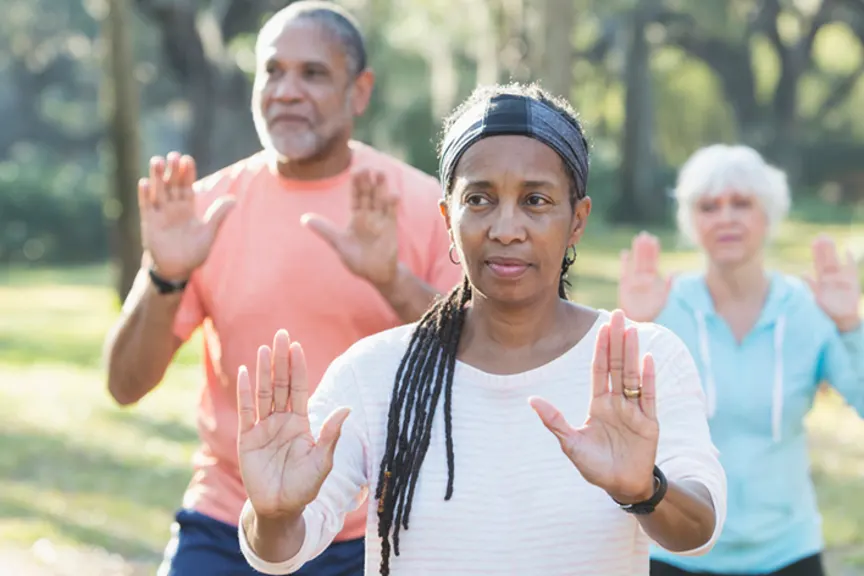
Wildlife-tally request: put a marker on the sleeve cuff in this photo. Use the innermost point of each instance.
(278, 568)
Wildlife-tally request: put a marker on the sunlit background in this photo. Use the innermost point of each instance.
(90, 89)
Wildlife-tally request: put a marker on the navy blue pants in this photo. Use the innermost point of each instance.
(809, 566)
(202, 546)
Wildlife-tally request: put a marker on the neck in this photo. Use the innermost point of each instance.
(325, 165)
(513, 326)
(742, 282)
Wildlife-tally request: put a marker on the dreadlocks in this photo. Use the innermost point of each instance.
(426, 369)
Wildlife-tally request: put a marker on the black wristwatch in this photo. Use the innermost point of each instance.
(164, 286)
(648, 506)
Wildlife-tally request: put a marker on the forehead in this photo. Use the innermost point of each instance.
(521, 157)
(300, 40)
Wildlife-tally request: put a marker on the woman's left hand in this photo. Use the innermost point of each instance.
(835, 285)
(616, 446)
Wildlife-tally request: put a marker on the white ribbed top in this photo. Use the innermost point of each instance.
(519, 505)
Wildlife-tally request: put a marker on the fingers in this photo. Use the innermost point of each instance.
(173, 177)
(245, 402)
(299, 381)
(189, 175)
(331, 430)
(362, 191)
(370, 192)
(646, 252)
(157, 182)
(825, 257)
(264, 383)
(631, 359)
(648, 400)
(552, 419)
(281, 370)
(327, 230)
(616, 352)
(600, 371)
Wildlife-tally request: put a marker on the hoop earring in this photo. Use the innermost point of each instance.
(450, 253)
(570, 256)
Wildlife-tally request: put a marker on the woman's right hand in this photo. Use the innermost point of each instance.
(281, 463)
(642, 290)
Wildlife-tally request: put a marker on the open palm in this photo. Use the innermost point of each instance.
(616, 447)
(835, 285)
(642, 289)
(369, 246)
(177, 240)
(281, 463)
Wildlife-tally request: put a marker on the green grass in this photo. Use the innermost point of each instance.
(77, 470)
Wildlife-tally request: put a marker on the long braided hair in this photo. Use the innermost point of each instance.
(426, 369)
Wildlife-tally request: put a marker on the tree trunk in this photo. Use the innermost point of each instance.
(556, 47)
(638, 201)
(122, 102)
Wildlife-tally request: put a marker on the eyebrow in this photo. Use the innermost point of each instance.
(485, 184)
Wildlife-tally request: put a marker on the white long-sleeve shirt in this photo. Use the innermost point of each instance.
(519, 505)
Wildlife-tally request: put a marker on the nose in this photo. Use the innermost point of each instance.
(507, 224)
(288, 88)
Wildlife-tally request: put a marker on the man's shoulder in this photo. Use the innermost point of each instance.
(223, 181)
(408, 179)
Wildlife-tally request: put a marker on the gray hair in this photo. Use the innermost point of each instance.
(333, 18)
(720, 168)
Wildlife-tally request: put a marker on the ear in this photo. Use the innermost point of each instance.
(580, 218)
(362, 93)
(444, 208)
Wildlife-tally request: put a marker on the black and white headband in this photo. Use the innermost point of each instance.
(512, 114)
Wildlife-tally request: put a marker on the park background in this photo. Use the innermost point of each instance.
(89, 89)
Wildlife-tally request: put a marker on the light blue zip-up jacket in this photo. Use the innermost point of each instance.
(758, 393)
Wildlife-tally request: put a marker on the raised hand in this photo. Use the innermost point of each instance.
(281, 464)
(369, 245)
(836, 286)
(642, 289)
(177, 240)
(616, 446)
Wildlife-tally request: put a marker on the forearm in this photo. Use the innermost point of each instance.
(273, 540)
(684, 520)
(140, 347)
(409, 296)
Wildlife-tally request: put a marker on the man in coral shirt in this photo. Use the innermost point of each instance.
(317, 233)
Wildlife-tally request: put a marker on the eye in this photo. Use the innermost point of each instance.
(476, 200)
(536, 200)
(742, 203)
(315, 72)
(707, 206)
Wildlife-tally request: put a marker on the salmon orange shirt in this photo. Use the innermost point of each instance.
(266, 271)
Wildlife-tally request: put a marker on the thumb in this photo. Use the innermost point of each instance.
(218, 211)
(323, 227)
(552, 419)
(331, 430)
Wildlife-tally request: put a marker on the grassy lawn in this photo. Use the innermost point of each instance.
(76, 471)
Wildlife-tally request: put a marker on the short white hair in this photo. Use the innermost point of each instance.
(721, 168)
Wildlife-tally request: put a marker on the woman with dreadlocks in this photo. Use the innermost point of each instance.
(466, 478)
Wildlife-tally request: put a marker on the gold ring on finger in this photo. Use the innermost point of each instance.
(631, 393)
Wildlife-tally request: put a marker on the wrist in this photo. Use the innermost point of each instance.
(392, 287)
(642, 494)
(166, 284)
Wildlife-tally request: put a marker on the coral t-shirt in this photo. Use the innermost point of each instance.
(266, 271)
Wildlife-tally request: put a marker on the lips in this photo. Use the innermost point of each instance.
(288, 119)
(507, 267)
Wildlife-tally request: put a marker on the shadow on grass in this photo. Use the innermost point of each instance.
(129, 549)
(171, 430)
(49, 462)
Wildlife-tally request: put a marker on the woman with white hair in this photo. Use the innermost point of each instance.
(763, 342)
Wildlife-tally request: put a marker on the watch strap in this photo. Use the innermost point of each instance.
(648, 506)
(164, 286)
